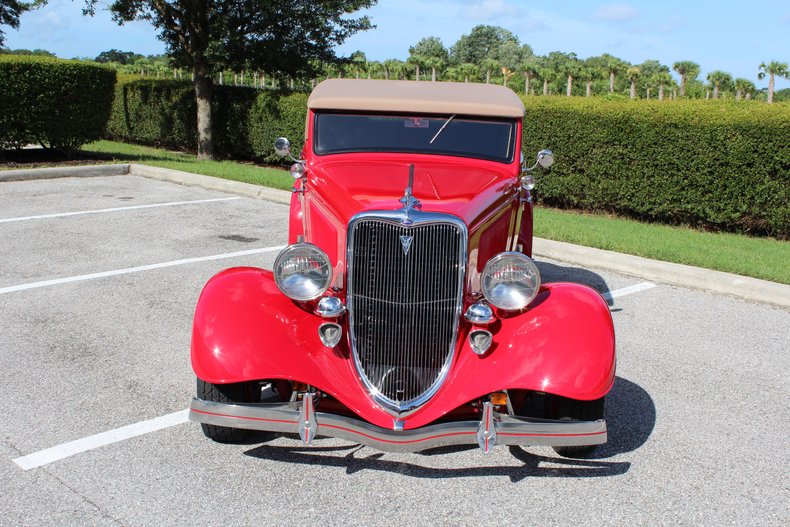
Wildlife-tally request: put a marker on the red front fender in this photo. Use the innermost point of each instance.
(245, 329)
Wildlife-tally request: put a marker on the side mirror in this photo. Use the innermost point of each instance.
(545, 158)
(282, 146)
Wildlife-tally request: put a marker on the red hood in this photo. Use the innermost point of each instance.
(469, 189)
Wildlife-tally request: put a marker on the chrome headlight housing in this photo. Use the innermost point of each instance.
(302, 271)
(510, 281)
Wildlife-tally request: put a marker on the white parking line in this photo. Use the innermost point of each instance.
(115, 209)
(128, 270)
(636, 288)
(56, 453)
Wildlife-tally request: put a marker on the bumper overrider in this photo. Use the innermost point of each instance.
(493, 428)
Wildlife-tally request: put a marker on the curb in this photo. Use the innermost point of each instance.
(743, 287)
(211, 183)
(58, 172)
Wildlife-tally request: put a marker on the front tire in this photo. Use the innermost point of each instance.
(242, 392)
(547, 406)
(579, 411)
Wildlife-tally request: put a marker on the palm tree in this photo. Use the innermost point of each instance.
(393, 68)
(688, 71)
(633, 75)
(773, 69)
(744, 89)
(434, 63)
(490, 64)
(570, 68)
(467, 70)
(717, 79)
(416, 61)
(530, 68)
(613, 67)
(663, 79)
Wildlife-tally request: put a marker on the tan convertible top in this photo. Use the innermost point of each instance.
(416, 97)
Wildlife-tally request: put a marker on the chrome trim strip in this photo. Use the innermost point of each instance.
(415, 218)
(286, 417)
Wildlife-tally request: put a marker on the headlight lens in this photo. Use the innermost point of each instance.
(510, 281)
(302, 271)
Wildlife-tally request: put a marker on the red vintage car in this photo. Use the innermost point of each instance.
(406, 312)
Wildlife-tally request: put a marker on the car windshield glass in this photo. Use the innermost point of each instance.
(482, 138)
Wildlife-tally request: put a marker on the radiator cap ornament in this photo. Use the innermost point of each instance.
(408, 201)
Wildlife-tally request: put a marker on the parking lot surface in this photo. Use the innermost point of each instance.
(98, 282)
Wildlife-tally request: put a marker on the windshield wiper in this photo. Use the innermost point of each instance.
(441, 129)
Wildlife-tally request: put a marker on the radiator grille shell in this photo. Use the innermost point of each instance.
(404, 300)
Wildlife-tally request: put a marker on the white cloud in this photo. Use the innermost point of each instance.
(616, 13)
(490, 10)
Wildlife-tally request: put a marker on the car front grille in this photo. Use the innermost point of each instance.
(405, 287)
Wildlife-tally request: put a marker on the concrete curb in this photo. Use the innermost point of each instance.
(58, 172)
(745, 288)
(211, 183)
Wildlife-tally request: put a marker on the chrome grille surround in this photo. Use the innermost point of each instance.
(428, 380)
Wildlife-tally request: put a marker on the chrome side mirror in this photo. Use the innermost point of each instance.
(545, 159)
(282, 146)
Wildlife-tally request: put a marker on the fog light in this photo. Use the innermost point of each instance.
(330, 334)
(330, 307)
(480, 340)
(479, 314)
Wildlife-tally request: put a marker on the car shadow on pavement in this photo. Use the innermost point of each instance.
(631, 417)
(550, 272)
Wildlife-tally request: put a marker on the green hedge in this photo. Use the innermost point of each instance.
(61, 104)
(245, 121)
(710, 164)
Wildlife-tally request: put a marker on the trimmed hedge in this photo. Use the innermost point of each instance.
(710, 164)
(245, 121)
(61, 104)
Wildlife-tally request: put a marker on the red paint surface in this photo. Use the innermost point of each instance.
(245, 329)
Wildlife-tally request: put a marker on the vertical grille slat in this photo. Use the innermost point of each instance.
(404, 307)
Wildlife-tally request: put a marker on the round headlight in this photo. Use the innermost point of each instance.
(302, 271)
(510, 280)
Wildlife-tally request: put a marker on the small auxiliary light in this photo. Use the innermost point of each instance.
(499, 399)
(480, 340)
(330, 334)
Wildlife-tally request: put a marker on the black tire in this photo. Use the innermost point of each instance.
(243, 392)
(547, 406)
(579, 411)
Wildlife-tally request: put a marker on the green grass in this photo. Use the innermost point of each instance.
(764, 258)
(246, 172)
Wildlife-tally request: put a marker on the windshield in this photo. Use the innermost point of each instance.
(482, 138)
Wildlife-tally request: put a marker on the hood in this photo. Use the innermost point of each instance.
(469, 189)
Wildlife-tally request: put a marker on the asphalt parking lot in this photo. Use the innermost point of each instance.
(98, 282)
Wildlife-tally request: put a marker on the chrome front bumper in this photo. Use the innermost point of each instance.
(493, 428)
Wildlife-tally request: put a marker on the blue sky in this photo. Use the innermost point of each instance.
(734, 37)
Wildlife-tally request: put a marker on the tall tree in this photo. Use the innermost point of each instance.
(588, 72)
(417, 62)
(570, 69)
(432, 54)
(467, 70)
(490, 64)
(773, 69)
(277, 36)
(688, 71)
(719, 79)
(483, 42)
